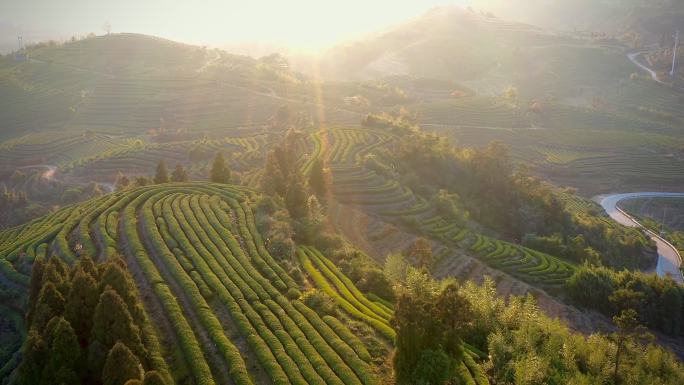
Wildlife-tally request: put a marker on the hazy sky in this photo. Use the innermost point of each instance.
(301, 23)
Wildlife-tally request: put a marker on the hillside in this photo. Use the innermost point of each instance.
(420, 212)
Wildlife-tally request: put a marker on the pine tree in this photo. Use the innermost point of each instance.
(220, 173)
(122, 181)
(56, 272)
(35, 286)
(50, 304)
(121, 365)
(296, 200)
(421, 251)
(153, 378)
(64, 354)
(161, 175)
(141, 181)
(81, 303)
(318, 178)
(115, 277)
(34, 355)
(273, 181)
(86, 263)
(179, 174)
(112, 322)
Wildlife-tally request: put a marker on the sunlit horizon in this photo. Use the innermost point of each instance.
(304, 24)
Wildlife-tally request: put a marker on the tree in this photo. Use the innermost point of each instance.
(35, 353)
(220, 173)
(115, 277)
(64, 354)
(122, 181)
(153, 378)
(161, 175)
(80, 304)
(429, 323)
(141, 181)
(296, 200)
(421, 251)
(511, 93)
(318, 178)
(629, 330)
(112, 322)
(121, 365)
(395, 267)
(273, 181)
(179, 174)
(35, 285)
(50, 304)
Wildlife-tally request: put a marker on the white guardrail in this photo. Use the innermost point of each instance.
(653, 234)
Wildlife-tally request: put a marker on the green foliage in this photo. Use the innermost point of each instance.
(80, 304)
(421, 252)
(153, 378)
(395, 267)
(179, 174)
(658, 301)
(220, 173)
(161, 174)
(431, 322)
(64, 354)
(483, 184)
(433, 368)
(112, 323)
(84, 323)
(121, 365)
(525, 346)
(322, 303)
(319, 178)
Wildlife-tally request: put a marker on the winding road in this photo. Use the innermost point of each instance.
(669, 259)
(634, 58)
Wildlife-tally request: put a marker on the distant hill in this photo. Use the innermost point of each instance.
(649, 18)
(131, 84)
(485, 53)
(444, 42)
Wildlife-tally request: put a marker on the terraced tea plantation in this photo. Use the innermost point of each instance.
(375, 312)
(222, 306)
(356, 185)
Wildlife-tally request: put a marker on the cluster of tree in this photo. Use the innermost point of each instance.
(484, 185)
(28, 195)
(658, 301)
(13, 204)
(396, 123)
(284, 180)
(292, 211)
(220, 173)
(518, 342)
(285, 119)
(419, 254)
(430, 320)
(74, 194)
(385, 94)
(85, 327)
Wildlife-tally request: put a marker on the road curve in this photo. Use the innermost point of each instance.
(633, 57)
(669, 259)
